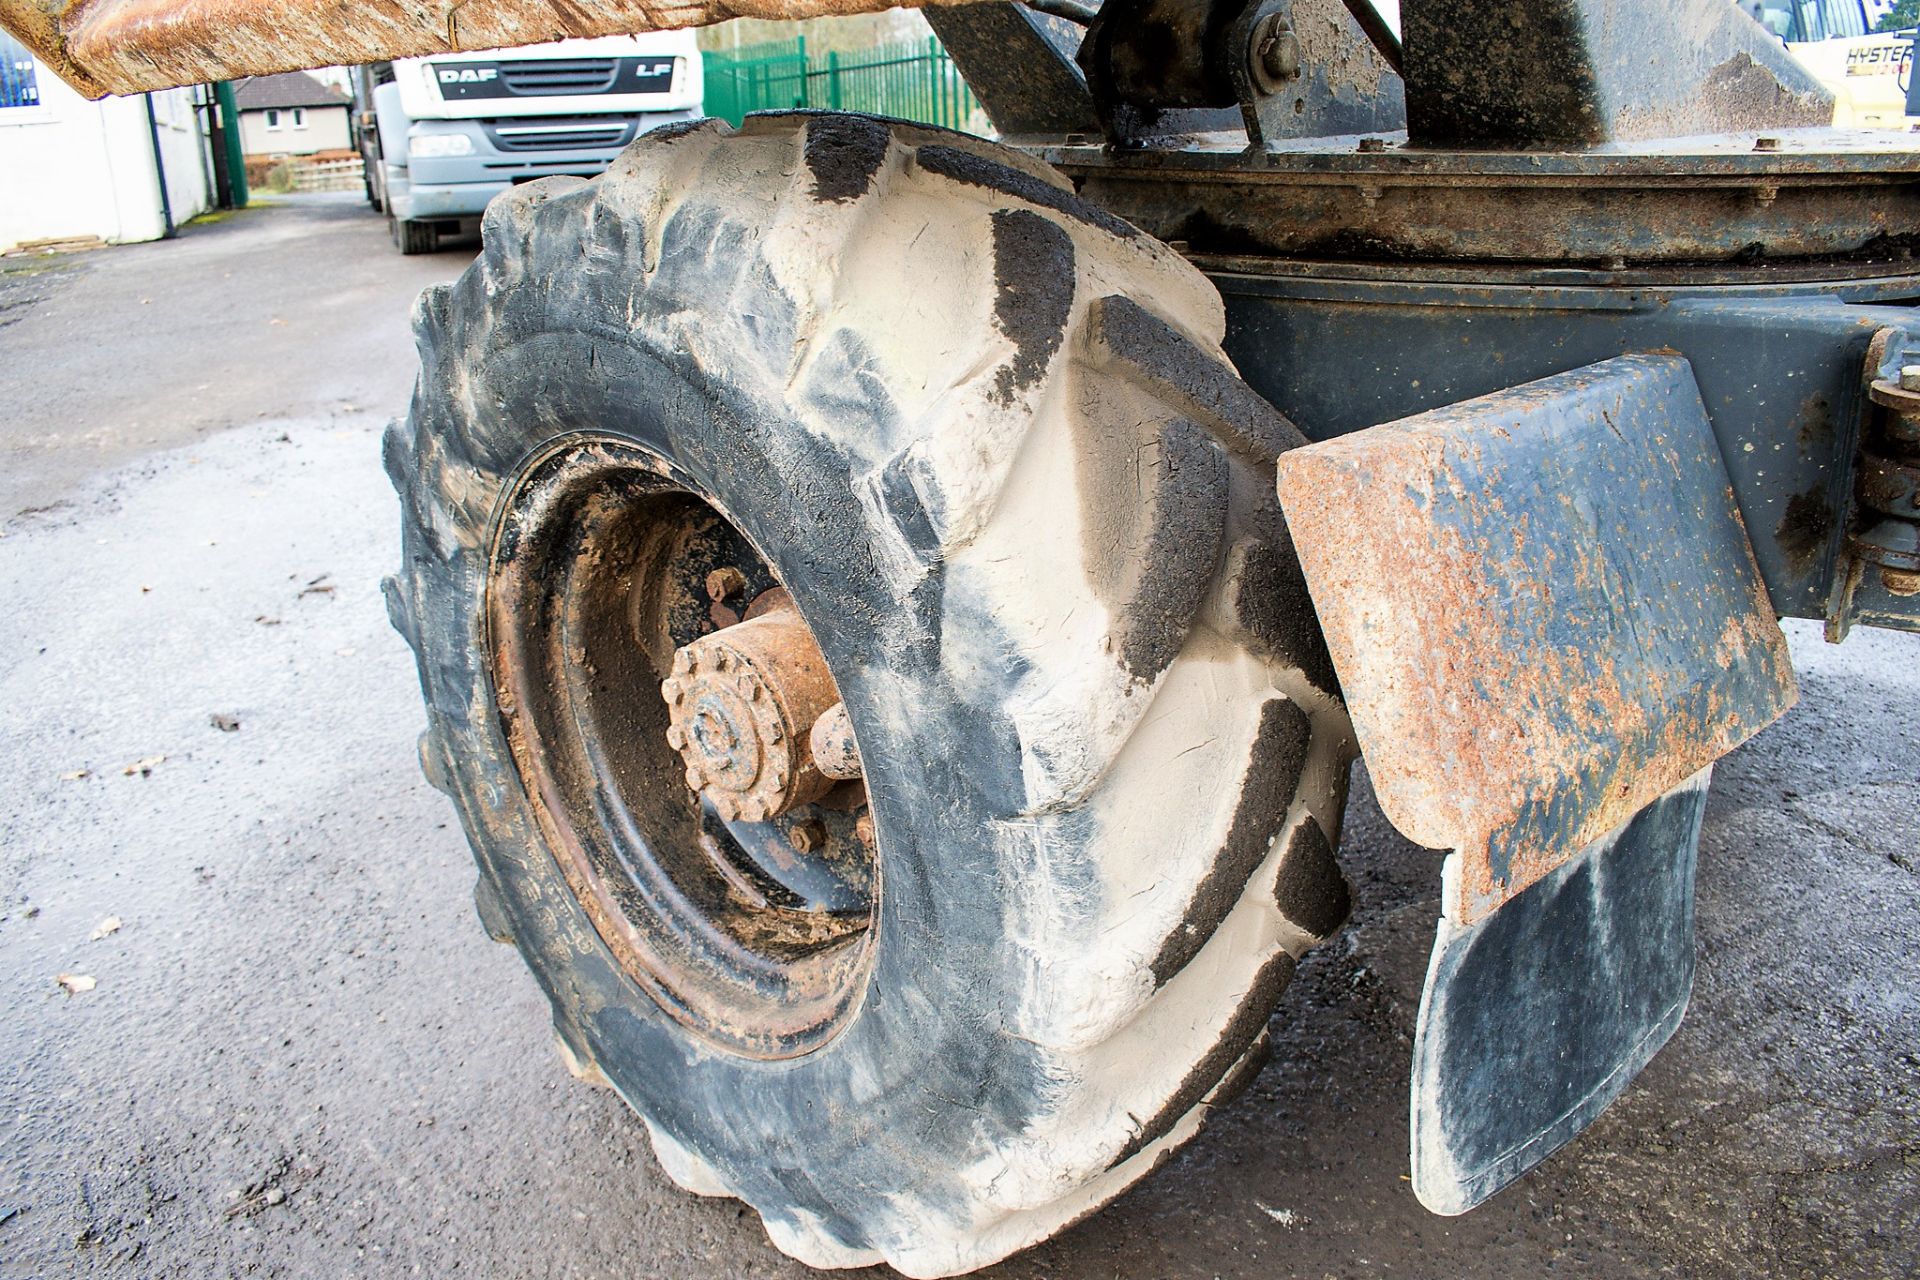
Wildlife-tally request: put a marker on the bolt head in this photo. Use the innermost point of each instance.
(1910, 377)
(1273, 54)
(676, 736)
(682, 662)
(1280, 55)
(696, 779)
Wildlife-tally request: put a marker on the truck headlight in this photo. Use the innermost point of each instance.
(434, 146)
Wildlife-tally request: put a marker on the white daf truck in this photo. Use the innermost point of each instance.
(444, 134)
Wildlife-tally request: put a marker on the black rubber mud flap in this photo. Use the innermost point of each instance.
(1537, 1017)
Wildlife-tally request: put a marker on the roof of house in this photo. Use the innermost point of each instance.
(289, 89)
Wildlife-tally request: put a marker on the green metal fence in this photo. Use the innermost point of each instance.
(912, 80)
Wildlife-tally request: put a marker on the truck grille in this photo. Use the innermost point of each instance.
(558, 133)
(559, 75)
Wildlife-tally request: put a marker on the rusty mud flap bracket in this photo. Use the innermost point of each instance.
(1548, 623)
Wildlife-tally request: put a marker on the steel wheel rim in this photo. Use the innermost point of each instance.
(592, 585)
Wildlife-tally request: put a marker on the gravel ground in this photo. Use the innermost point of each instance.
(303, 1058)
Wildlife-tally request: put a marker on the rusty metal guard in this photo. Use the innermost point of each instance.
(1543, 609)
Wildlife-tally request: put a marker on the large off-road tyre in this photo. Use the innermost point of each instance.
(984, 435)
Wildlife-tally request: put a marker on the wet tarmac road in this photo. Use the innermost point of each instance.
(302, 1057)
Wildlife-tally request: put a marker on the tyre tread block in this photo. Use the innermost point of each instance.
(1129, 335)
(1309, 887)
(1267, 789)
(972, 169)
(1217, 1065)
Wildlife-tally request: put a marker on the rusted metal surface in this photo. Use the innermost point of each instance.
(125, 46)
(1544, 611)
(1819, 194)
(741, 707)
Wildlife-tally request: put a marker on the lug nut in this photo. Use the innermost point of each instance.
(807, 835)
(726, 583)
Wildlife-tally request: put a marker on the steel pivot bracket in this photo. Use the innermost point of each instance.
(1877, 572)
(1548, 623)
(1331, 79)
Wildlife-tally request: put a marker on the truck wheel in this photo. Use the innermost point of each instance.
(860, 639)
(409, 236)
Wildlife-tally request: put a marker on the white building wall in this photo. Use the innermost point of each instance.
(70, 167)
(183, 150)
(327, 129)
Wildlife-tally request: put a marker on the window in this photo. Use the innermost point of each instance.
(299, 117)
(273, 121)
(18, 86)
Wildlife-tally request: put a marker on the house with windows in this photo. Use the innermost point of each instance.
(294, 114)
(117, 170)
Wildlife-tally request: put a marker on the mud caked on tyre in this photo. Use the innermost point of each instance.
(899, 391)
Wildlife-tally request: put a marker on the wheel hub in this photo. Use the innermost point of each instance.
(741, 706)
